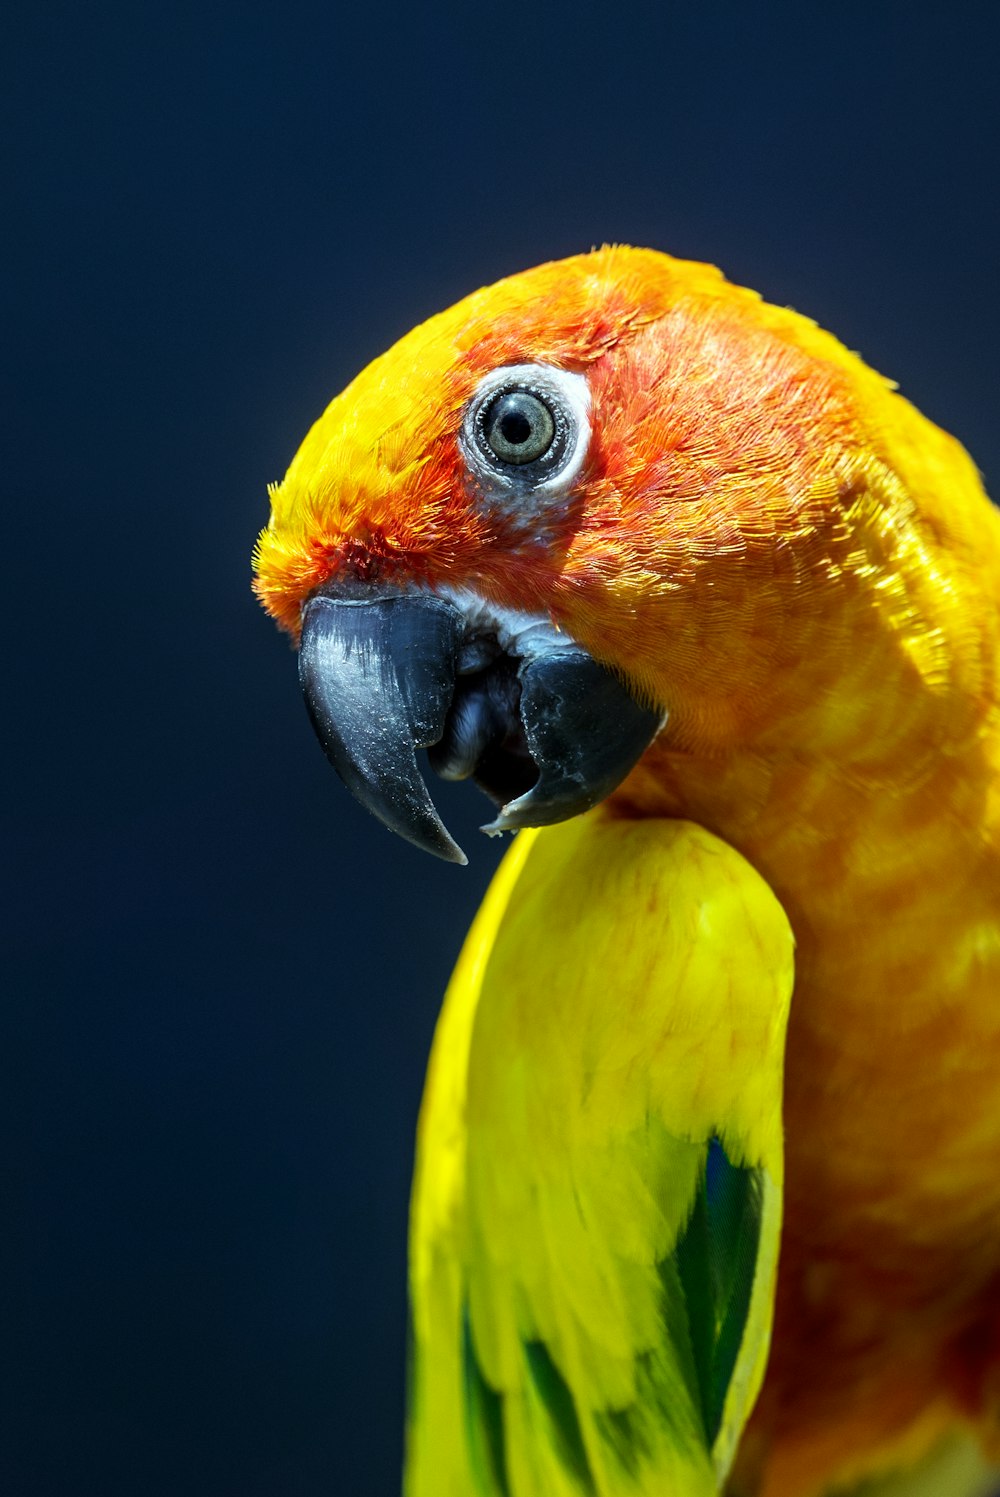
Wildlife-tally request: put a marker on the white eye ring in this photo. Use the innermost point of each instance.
(567, 398)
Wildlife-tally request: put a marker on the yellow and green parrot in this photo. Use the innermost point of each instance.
(707, 1193)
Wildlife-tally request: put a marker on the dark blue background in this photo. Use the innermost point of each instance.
(222, 978)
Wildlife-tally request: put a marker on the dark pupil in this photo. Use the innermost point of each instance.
(515, 428)
(519, 427)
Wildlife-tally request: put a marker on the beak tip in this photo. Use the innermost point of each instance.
(419, 824)
(429, 834)
(454, 854)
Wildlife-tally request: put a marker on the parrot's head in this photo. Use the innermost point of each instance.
(596, 502)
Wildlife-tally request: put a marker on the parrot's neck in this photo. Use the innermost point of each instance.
(852, 754)
(847, 845)
(876, 821)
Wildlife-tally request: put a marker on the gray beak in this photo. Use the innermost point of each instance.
(386, 672)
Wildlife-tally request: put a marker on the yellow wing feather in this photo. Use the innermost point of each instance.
(617, 1015)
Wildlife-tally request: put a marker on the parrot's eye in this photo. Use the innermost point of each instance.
(518, 426)
(526, 431)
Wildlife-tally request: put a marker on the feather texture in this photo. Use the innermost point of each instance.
(772, 545)
(597, 1197)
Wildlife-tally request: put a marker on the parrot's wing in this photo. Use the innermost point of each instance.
(596, 1206)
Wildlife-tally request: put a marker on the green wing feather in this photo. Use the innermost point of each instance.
(716, 1259)
(596, 1204)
